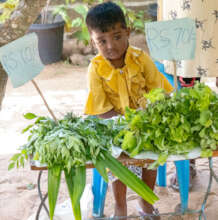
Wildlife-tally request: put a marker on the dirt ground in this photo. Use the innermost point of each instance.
(64, 87)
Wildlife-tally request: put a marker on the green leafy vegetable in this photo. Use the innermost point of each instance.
(172, 125)
(68, 145)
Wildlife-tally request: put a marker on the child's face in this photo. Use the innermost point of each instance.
(113, 43)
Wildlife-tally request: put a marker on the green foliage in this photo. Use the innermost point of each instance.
(129, 141)
(30, 116)
(135, 20)
(6, 9)
(82, 33)
(54, 180)
(155, 95)
(68, 145)
(128, 178)
(173, 125)
(76, 181)
(61, 10)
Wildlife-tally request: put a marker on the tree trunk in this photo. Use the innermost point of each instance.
(16, 27)
(3, 82)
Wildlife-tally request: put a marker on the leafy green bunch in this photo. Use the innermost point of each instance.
(173, 125)
(63, 142)
(68, 145)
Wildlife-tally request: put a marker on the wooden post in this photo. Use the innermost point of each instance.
(160, 10)
(175, 75)
(46, 104)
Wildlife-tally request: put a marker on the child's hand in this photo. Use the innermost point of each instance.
(139, 109)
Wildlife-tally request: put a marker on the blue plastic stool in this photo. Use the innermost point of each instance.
(169, 77)
(182, 172)
(161, 176)
(99, 189)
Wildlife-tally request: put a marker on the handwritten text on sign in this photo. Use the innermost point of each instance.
(171, 40)
(20, 59)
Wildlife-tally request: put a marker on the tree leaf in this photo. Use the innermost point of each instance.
(15, 156)
(81, 9)
(27, 128)
(29, 116)
(11, 166)
(54, 178)
(76, 180)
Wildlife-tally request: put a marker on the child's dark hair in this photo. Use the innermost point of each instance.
(104, 16)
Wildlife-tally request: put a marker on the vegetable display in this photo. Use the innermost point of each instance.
(172, 124)
(67, 145)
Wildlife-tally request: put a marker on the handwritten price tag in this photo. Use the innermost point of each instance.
(21, 60)
(171, 40)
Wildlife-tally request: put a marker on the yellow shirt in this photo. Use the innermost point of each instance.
(111, 88)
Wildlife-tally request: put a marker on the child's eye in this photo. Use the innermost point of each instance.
(117, 37)
(101, 42)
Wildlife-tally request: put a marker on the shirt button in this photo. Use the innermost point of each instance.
(121, 71)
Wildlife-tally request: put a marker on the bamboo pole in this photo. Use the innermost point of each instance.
(46, 104)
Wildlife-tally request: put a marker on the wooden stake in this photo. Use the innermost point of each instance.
(175, 75)
(46, 104)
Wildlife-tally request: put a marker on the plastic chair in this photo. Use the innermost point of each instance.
(161, 176)
(99, 189)
(182, 172)
(169, 77)
(99, 186)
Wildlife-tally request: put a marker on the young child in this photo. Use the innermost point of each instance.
(118, 77)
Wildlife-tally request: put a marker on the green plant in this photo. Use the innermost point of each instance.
(81, 33)
(135, 20)
(6, 9)
(67, 145)
(172, 125)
